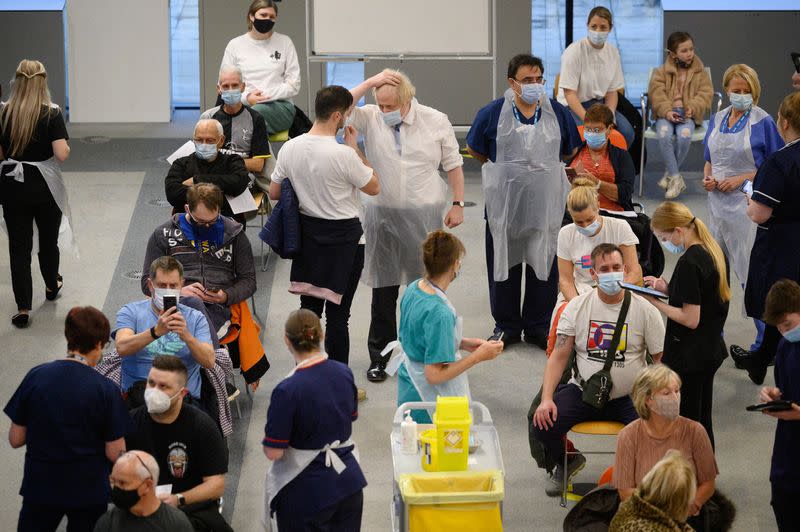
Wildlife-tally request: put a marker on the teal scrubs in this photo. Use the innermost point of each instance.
(427, 333)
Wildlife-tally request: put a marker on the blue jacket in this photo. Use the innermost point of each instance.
(282, 229)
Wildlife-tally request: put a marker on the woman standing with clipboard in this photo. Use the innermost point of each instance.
(699, 295)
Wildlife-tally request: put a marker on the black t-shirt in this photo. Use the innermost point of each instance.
(165, 519)
(187, 449)
(50, 127)
(695, 281)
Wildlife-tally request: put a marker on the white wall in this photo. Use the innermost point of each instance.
(118, 60)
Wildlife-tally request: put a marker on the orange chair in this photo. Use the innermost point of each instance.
(607, 476)
(616, 138)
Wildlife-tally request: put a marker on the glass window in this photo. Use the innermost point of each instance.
(637, 33)
(348, 74)
(185, 41)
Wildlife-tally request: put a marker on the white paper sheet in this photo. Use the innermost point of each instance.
(244, 202)
(163, 489)
(183, 151)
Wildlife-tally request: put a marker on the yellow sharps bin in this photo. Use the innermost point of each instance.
(453, 421)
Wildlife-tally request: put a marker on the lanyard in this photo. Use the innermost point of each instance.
(723, 128)
(536, 114)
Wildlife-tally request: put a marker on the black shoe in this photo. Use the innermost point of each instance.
(377, 371)
(744, 359)
(51, 295)
(21, 320)
(508, 340)
(757, 374)
(537, 339)
(739, 355)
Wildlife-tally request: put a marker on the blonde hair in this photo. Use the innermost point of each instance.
(672, 214)
(405, 90)
(740, 70)
(650, 380)
(582, 196)
(256, 6)
(670, 485)
(29, 94)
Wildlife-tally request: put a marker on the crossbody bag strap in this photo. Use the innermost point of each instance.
(612, 348)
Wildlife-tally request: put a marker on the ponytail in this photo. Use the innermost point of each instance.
(672, 214)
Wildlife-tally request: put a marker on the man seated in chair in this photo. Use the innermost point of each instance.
(207, 165)
(215, 253)
(243, 127)
(145, 329)
(587, 325)
(185, 442)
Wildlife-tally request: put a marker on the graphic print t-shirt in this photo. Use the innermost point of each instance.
(592, 323)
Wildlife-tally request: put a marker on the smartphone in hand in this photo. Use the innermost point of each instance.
(746, 187)
(170, 302)
(778, 405)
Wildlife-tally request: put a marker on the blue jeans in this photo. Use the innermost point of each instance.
(623, 126)
(674, 155)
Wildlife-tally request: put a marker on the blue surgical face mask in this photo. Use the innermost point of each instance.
(205, 151)
(595, 140)
(392, 118)
(530, 93)
(793, 335)
(609, 282)
(598, 37)
(231, 97)
(741, 102)
(590, 229)
(674, 248)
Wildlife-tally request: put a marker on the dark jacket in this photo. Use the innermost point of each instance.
(624, 174)
(230, 267)
(227, 171)
(638, 515)
(282, 230)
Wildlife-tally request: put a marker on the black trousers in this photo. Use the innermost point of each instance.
(769, 346)
(697, 398)
(344, 516)
(19, 218)
(35, 517)
(383, 325)
(786, 509)
(337, 317)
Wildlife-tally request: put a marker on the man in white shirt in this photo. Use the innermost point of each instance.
(407, 143)
(268, 61)
(326, 177)
(587, 325)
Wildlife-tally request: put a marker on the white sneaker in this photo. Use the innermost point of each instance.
(664, 181)
(676, 186)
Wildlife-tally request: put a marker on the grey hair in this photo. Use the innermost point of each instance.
(149, 469)
(204, 121)
(227, 68)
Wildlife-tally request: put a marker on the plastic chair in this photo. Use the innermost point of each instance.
(589, 428)
(280, 136)
(606, 477)
(698, 135)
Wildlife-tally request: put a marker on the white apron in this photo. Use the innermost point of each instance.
(526, 190)
(295, 461)
(51, 172)
(728, 221)
(411, 204)
(458, 386)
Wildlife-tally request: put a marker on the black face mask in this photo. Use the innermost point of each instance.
(682, 64)
(125, 499)
(264, 25)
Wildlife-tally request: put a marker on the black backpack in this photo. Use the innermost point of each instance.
(651, 256)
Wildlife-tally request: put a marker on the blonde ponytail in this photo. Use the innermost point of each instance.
(582, 196)
(672, 214)
(29, 98)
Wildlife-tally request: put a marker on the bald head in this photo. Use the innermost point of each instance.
(133, 467)
(208, 128)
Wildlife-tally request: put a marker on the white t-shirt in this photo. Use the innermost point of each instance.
(589, 71)
(577, 249)
(269, 66)
(591, 322)
(325, 176)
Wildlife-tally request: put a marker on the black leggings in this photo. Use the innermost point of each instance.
(697, 394)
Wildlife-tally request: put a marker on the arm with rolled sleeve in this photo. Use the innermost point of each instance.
(291, 77)
(233, 182)
(245, 284)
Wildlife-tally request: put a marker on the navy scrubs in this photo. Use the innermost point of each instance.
(504, 297)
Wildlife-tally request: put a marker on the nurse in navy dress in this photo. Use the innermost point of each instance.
(775, 207)
(315, 482)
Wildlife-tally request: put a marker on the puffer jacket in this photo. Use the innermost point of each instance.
(229, 267)
(697, 90)
(638, 515)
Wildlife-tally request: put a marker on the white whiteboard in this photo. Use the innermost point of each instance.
(421, 27)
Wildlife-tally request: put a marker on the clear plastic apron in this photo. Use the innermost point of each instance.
(526, 190)
(458, 386)
(51, 172)
(294, 461)
(411, 204)
(728, 221)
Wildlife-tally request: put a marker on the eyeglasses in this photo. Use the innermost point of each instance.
(204, 223)
(594, 129)
(529, 80)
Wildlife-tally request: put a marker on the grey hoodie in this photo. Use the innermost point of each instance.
(230, 267)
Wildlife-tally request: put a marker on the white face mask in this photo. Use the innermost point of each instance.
(159, 293)
(157, 401)
(667, 406)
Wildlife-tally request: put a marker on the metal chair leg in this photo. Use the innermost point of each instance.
(564, 477)
(643, 103)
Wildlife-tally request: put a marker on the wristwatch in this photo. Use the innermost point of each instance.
(181, 499)
(153, 333)
(458, 204)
